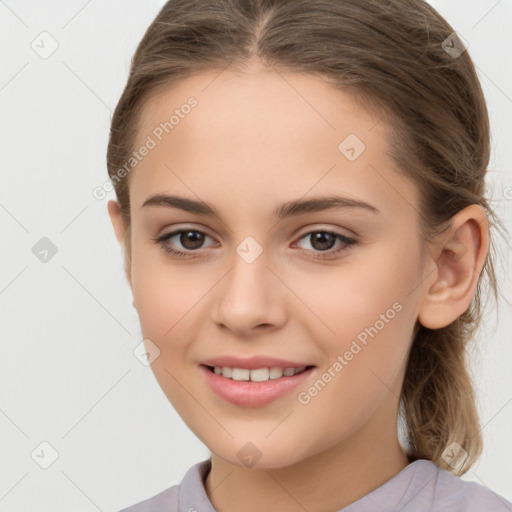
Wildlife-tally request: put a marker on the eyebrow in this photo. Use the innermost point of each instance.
(288, 209)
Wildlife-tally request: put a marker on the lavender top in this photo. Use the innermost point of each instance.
(420, 487)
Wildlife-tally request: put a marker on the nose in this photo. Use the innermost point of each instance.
(250, 298)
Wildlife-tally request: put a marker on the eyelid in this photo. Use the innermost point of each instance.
(328, 229)
(174, 230)
(346, 241)
(165, 236)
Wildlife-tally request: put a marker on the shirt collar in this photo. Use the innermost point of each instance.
(399, 490)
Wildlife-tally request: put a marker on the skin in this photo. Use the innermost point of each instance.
(257, 139)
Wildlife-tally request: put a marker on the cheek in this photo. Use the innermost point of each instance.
(365, 290)
(363, 370)
(166, 293)
(367, 318)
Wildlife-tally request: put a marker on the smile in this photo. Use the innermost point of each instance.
(255, 387)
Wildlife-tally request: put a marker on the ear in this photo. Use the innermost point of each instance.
(459, 260)
(114, 211)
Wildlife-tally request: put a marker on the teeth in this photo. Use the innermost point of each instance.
(260, 375)
(238, 373)
(275, 373)
(257, 375)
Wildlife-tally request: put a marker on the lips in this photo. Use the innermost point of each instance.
(257, 391)
(254, 394)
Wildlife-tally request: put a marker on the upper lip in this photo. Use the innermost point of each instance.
(253, 362)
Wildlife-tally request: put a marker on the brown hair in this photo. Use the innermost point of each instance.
(392, 56)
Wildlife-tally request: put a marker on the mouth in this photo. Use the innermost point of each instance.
(257, 387)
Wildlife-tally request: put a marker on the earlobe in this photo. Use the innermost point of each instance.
(459, 261)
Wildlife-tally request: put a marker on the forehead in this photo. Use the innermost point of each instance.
(258, 98)
(267, 135)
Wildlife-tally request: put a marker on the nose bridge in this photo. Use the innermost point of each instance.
(248, 296)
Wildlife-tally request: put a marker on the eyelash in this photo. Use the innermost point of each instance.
(160, 240)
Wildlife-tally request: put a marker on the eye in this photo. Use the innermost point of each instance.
(190, 240)
(322, 241)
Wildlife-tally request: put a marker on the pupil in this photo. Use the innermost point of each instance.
(191, 239)
(326, 241)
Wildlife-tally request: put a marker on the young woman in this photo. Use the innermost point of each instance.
(300, 196)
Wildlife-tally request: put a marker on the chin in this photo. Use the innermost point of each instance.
(258, 455)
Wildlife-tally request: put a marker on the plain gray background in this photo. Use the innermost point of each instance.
(68, 328)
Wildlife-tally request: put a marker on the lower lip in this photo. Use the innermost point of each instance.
(246, 393)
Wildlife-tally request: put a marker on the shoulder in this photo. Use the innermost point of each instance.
(190, 494)
(165, 501)
(425, 487)
(454, 494)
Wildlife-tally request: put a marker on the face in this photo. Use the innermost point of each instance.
(335, 288)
